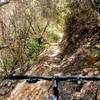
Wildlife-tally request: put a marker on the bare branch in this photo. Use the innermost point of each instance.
(46, 27)
(30, 23)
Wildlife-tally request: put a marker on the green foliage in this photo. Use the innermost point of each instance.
(7, 61)
(7, 64)
(33, 48)
(97, 1)
(52, 37)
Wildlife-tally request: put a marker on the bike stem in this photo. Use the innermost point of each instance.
(55, 87)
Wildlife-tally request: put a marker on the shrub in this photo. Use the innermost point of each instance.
(6, 64)
(33, 48)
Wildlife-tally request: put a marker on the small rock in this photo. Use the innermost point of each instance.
(91, 73)
(76, 96)
(96, 73)
(87, 70)
(9, 84)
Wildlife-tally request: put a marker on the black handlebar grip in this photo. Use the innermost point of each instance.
(16, 77)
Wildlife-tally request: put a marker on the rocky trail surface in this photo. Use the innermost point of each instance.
(49, 65)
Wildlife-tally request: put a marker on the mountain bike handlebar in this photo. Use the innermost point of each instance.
(55, 80)
(50, 78)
